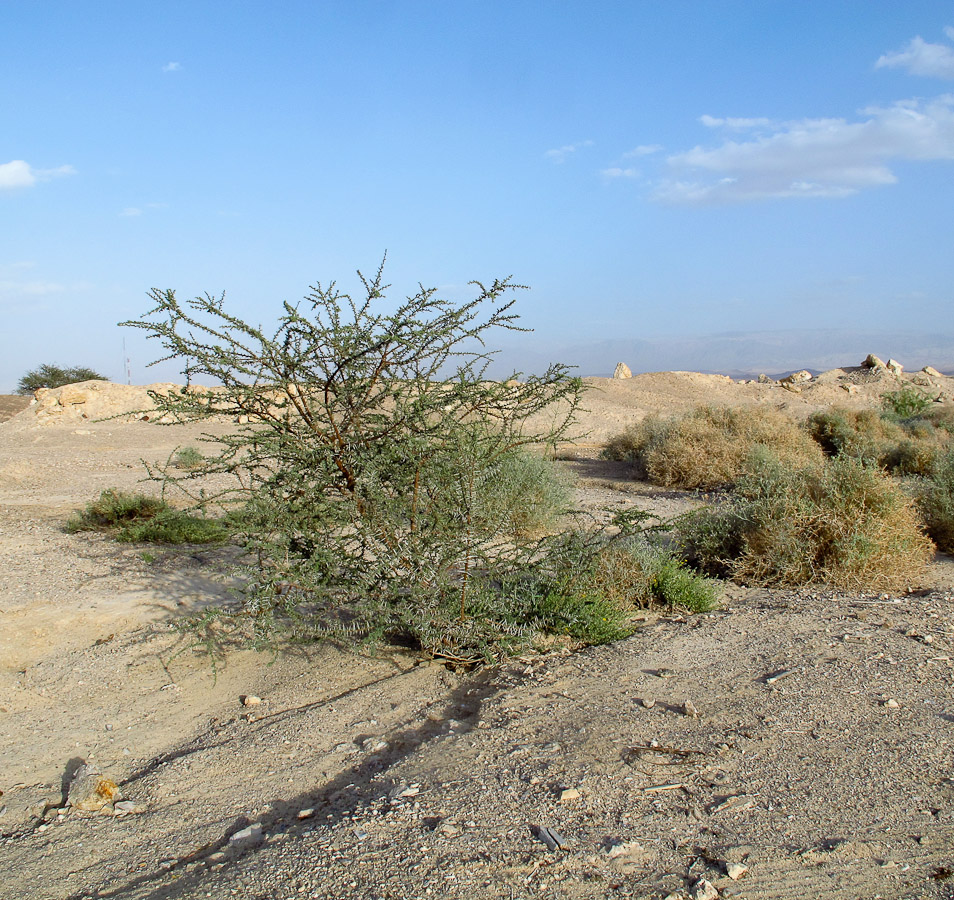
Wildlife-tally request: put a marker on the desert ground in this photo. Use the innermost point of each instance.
(819, 763)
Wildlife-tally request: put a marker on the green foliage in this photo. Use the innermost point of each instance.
(188, 458)
(386, 486)
(676, 586)
(844, 525)
(935, 500)
(707, 447)
(139, 518)
(115, 509)
(906, 402)
(53, 376)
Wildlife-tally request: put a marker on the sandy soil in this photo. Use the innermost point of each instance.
(386, 776)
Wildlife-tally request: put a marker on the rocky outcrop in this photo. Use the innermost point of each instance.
(873, 362)
(622, 371)
(801, 377)
(93, 400)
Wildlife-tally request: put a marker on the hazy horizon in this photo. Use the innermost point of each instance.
(737, 354)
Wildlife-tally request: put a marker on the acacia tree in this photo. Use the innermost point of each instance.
(384, 480)
(50, 375)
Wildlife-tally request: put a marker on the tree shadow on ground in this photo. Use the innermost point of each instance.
(344, 794)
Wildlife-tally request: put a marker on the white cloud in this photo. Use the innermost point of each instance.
(921, 58)
(18, 266)
(616, 172)
(172, 67)
(31, 288)
(813, 157)
(642, 150)
(18, 174)
(131, 211)
(734, 124)
(560, 154)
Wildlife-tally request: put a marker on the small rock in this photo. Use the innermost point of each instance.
(704, 890)
(873, 362)
(306, 813)
(794, 388)
(625, 849)
(549, 836)
(622, 371)
(648, 702)
(90, 790)
(250, 700)
(930, 370)
(894, 367)
(892, 704)
(764, 379)
(247, 836)
(126, 806)
(690, 710)
(569, 794)
(736, 870)
(797, 377)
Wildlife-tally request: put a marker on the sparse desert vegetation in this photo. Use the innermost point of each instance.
(599, 676)
(132, 517)
(840, 524)
(708, 447)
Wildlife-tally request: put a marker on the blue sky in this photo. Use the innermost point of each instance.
(650, 169)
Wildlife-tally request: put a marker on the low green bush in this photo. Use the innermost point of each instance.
(139, 518)
(707, 447)
(844, 525)
(636, 574)
(906, 402)
(188, 458)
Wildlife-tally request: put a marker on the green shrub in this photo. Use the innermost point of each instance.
(906, 402)
(707, 447)
(113, 510)
(188, 458)
(54, 376)
(636, 574)
(387, 487)
(935, 500)
(844, 525)
(140, 518)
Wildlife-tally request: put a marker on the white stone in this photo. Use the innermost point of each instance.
(622, 371)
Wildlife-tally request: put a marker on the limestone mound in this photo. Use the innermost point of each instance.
(92, 400)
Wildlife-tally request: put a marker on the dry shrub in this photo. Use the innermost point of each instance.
(936, 502)
(707, 447)
(902, 447)
(844, 525)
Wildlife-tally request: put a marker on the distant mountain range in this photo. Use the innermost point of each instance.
(738, 354)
